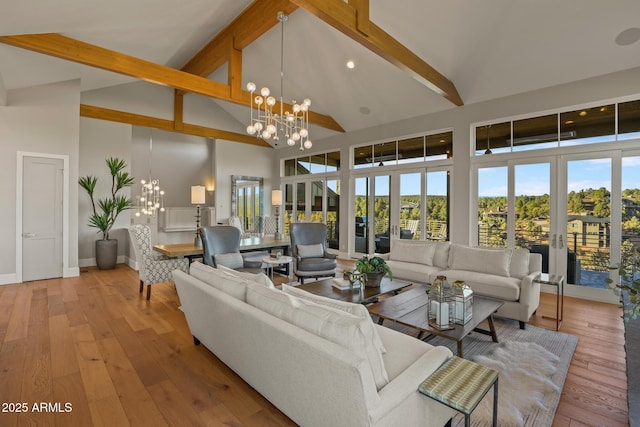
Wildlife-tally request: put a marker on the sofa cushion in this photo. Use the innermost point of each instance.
(441, 255)
(311, 251)
(357, 310)
(261, 278)
(417, 273)
(234, 286)
(338, 326)
(489, 285)
(519, 263)
(480, 260)
(416, 251)
(231, 260)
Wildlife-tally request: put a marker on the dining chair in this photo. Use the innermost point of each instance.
(152, 267)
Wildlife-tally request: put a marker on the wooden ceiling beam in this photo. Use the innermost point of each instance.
(258, 18)
(166, 125)
(343, 17)
(95, 56)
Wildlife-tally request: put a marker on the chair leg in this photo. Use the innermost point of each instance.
(141, 285)
(148, 292)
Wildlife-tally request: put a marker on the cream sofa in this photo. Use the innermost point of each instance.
(321, 362)
(498, 273)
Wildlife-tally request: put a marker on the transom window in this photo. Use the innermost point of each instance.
(315, 163)
(603, 123)
(402, 151)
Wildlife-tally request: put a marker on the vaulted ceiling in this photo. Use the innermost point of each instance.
(412, 57)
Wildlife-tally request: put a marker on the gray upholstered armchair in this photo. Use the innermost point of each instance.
(221, 245)
(309, 250)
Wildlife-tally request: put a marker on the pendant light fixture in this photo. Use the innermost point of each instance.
(268, 124)
(488, 150)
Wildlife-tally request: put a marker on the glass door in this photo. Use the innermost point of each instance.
(583, 244)
(381, 214)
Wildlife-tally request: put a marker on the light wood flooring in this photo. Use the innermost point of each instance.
(96, 353)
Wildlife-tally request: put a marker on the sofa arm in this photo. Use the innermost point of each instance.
(397, 393)
(530, 290)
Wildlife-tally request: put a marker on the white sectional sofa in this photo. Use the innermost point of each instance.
(504, 274)
(322, 362)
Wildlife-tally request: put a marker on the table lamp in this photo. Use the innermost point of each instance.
(197, 198)
(276, 201)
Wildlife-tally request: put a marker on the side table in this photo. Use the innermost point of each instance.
(272, 262)
(557, 281)
(461, 384)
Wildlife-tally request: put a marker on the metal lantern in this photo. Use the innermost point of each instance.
(441, 305)
(463, 302)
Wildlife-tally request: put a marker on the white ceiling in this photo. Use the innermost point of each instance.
(488, 49)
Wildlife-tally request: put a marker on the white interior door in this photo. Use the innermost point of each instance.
(42, 218)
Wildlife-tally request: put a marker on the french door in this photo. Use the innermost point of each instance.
(560, 207)
(401, 204)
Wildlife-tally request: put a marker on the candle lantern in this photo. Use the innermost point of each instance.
(463, 302)
(441, 306)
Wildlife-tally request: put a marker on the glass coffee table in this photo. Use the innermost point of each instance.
(409, 308)
(360, 295)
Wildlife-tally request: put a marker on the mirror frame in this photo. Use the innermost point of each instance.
(234, 187)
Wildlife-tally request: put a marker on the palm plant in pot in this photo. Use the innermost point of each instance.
(373, 269)
(105, 211)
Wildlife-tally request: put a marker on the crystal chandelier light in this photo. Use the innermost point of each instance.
(151, 199)
(267, 124)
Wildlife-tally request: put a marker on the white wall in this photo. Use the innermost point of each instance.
(100, 140)
(241, 159)
(40, 119)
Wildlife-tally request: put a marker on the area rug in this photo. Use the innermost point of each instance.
(533, 365)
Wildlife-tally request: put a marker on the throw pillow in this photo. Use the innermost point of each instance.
(261, 278)
(480, 260)
(234, 286)
(519, 263)
(232, 260)
(337, 326)
(311, 251)
(357, 310)
(417, 252)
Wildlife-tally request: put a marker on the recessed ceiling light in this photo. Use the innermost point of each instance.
(582, 113)
(351, 65)
(628, 36)
(568, 122)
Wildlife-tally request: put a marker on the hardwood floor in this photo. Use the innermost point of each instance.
(95, 352)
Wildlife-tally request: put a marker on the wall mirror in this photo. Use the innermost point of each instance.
(247, 201)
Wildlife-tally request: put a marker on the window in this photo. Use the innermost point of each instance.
(566, 128)
(314, 164)
(403, 151)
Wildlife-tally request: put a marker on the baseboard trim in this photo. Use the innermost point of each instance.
(7, 279)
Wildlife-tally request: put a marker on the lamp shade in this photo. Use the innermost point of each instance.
(197, 194)
(276, 197)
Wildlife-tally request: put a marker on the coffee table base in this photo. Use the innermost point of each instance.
(409, 308)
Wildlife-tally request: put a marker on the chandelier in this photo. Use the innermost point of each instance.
(151, 197)
(267, 124)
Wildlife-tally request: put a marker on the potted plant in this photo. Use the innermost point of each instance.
(628, 281)
(373, 270)
(106, 210)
